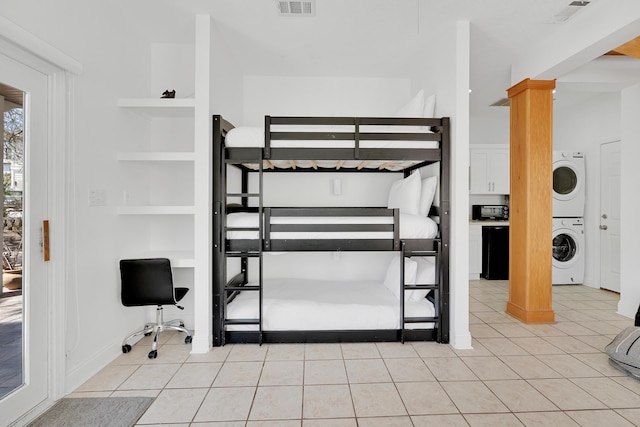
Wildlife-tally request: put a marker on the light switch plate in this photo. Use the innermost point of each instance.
(97, 198)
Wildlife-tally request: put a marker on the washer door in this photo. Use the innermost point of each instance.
(565, 180)
(565, 249)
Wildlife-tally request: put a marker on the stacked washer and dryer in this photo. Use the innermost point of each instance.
(568, 222)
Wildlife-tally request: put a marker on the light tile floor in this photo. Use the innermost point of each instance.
(516, 374)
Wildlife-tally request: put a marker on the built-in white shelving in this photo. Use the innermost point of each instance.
(160, 107)
(183, 232)
(165, 156)
(179, 259)
(155, 210)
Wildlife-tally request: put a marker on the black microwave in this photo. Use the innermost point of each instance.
(489, 212)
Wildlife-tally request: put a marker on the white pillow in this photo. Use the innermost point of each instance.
(405, 194)
(425, 275)
(429, 107)
(413, 108)
(427, 192)
(392, 279)
(417, 227)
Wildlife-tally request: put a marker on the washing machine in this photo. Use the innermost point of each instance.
(568, 251)
(568, 184)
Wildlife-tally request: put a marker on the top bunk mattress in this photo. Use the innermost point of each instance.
(252, 137)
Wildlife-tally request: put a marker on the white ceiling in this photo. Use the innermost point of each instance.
(373, 38)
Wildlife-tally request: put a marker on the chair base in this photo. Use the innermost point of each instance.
(157, 328)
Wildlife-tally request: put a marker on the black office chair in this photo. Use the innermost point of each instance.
(150, 282)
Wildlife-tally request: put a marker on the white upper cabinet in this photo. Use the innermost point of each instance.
(489, 172)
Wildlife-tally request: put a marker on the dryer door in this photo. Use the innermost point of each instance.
(565, 180)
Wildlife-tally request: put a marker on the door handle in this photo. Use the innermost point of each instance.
(603, 227)
(45, 240)
(604, 216)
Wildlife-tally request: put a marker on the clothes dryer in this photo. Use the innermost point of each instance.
(568, 251)
(568, 184)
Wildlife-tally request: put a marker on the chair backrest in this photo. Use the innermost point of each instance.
(146, 282)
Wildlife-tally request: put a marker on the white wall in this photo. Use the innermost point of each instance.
(314, 95)
(322, 96)
(226, 80)
(115, 64)
(490, 130)
(630, 227)
(585, 127)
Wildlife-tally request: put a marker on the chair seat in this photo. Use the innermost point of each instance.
(180, 293)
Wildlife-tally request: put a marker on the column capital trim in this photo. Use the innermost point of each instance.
(528, 84)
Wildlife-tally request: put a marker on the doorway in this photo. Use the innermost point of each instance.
(24, 383)
(610, 216)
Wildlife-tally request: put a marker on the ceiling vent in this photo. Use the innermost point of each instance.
(568, 12)
(297, 8)
(504, 102)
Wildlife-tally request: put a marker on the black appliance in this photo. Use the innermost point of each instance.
(495, 252)
(489, 212)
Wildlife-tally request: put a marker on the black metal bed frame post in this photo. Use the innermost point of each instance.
(445, 230)
(219, 259)
(260, 248)
(267, 137)
(402, 278)
(244, 261)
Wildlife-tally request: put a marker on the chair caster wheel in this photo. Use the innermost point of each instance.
(182, 324)
(147, 334)
(188, 339)
(126, 348)
(153, 354)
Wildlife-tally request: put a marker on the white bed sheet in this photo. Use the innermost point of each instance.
(247, 136)
(411, 227)
(297, 304)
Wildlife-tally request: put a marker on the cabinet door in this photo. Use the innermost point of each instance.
(489, 173)
(499, 168)
(478, 174)
(475, 251)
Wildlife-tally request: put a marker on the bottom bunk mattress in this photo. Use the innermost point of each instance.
(318, 305)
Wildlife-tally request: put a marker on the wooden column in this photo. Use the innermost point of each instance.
(530, 215)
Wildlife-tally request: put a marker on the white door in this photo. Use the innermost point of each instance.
(33, 387)
(610, 216)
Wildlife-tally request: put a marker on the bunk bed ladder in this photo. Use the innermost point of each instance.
(407, 251)
(240, 285)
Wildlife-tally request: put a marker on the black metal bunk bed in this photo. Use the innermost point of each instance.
(253, 160)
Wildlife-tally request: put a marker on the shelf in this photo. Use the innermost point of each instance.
(165, 156)
(156, 210)
(160, 107)
(179, 259)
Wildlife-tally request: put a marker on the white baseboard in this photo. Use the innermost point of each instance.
(461, 341)
(200, 345)
(92, 365)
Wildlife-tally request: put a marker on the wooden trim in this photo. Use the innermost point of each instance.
(530, 316)
(528, 84)
(631, 48)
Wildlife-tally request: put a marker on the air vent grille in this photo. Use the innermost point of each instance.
(568, 12)
(297, 8)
